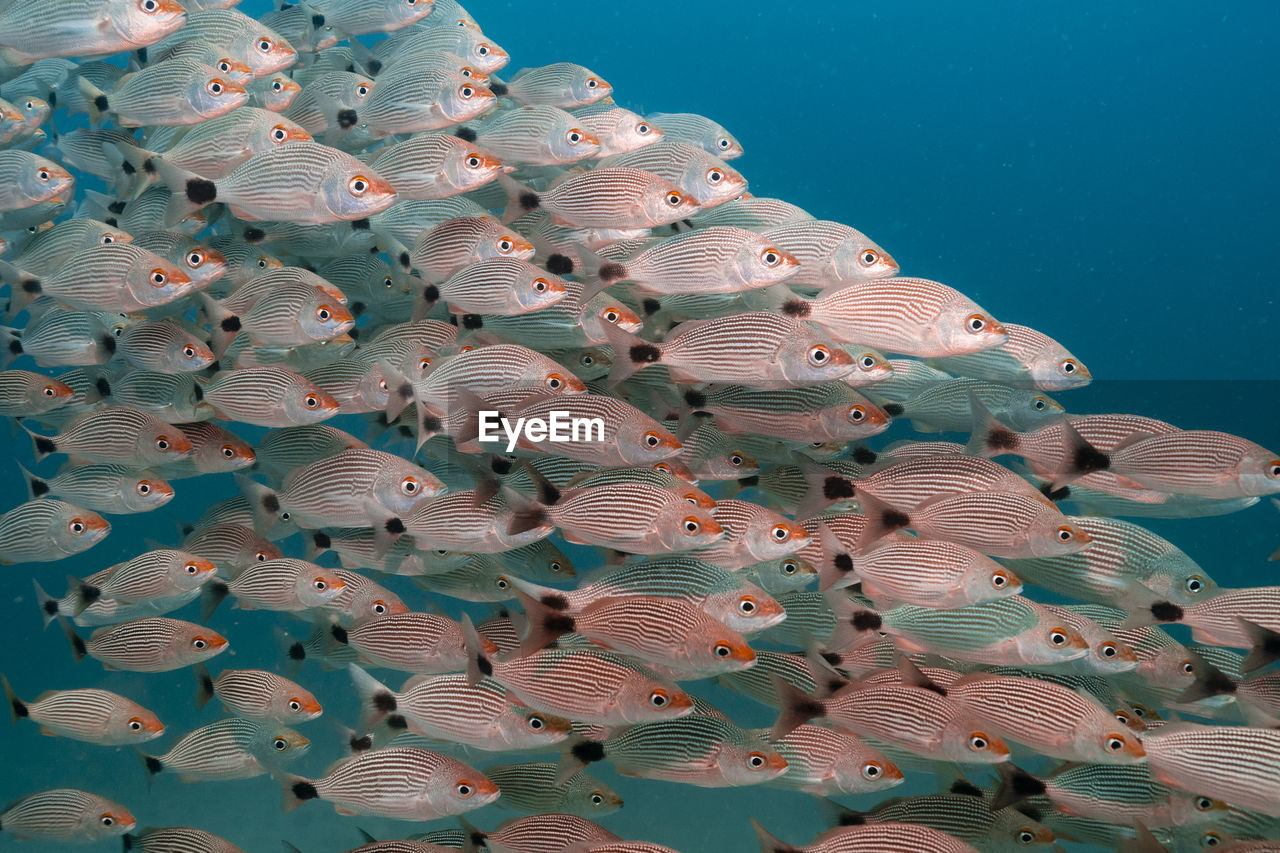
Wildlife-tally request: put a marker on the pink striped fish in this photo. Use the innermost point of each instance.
(66, 815)
(410, 642)
(268, 396)
(87, 714)
(1236, 763)
(694, 170)
(560, 84)
(434, 165)
(256, 694)
(464, 240)
(233, 748)
(285, 584)
(830, 254)
(870, 838)
(826, 762)
(613, 197)
(634, 517)
(156, 644)
(537, 135)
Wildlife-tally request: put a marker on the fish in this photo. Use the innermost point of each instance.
(619, 130)
(176, 91)
(533, 788)
(179, 838)
(560, 84)
(155, 644)
(86, 714)
(44, 529)
(434, 165)
(113, 277)
(257, 695)
(537, 135)
(36, 34)
(268, 396)
(870, 837)
(285, 584)
(66, 814)
(701, 131)
(705, 177)
(1028, 359)
(109, 488)
(613, 197)
(1232, 762)
(825, 762)
(233, 748)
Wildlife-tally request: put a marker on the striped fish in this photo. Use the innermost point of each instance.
(831, 255)
(929, 573)
(965, 813)
(418, 101)
(472, 521)
(106, 488)
(405, 783)
(28, 394)
(154, 644)
(1235, 763)
(446, 707)
(292, 315)
(229, 749)
(178, 839)
(1240, 618)
(827, 411)
(268, 396)
(241, 36)
(421, 643)
(708, 260)
(870, 838)
(698, 130)
(1107, 654)
(635, 517)
(751, 212)
(203, 264)
(84, 28)
(463, 240)
(44, 529)
(949, 405)
(1028, 359)
(282, 451)
(255, 694)
(465, 42)
(753, 534)
(215, 147)
(434, 165)
(1122, 794)
(66, 814)
(909, 316)
(231, 547)
(213, 450)
(160, 573)
(825, 762)
(363, 599)
(50, 249)
(755, 348)
(163, 346)
(355, 19)
(285, 584)
(88, 714)
(560, 84)
(907, 484)
(619, 130)
(499, 286)
(177, 91)
(274, 92)
(535, 788)
(694, 171)
(114, 277)
(607, 196)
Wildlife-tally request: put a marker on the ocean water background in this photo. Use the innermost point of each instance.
(1107, 175)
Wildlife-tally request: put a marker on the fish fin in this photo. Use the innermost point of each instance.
(96, 99)
(151, 765)
(263, 502)
(825, 487)
(211, 595)
(24, 287)
(855, 625)
(41, 445)
(630, 353)
(81, 594)
(1155, 613)
(78, 648)
(10, 347)
(987, 435)
(882, 519)
(134, 167)
(1265, 646)
(223, 325)
(400, 391)
(797, 707)
(294, 650)
(1016, 785)
(49, 607)
(368, 837)
(377, 702)
(770, 843)
(479, 666)
(204, 684)
(473, 839)
(48, 732)
(17, 708)
(1144, 841)
(545, 621)
(913, 676)
(296, 790)
(520, 199)
(1079, 457)
(188, 192)
(289, 848)
(576, 756)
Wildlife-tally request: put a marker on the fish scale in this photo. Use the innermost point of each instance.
(456, 521)
(620, 511)
(619, 130)
(798, 414)
(754, 213)
(608, 196)
(429, 166)
(99, 279)
(966, 817)
(352, 487)
(227, 749)
(932, 573)
(687, 166)
(88, 714)
(151, 575)
(233, 31)
(460, 41)
(967, 628)
(1219, 617)
(395, 343)
(216, 146)
(284, 583)
(547, 832)
(290, 448)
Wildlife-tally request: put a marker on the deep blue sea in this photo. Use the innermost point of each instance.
(1106, 173)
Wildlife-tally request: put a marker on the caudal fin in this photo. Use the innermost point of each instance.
(520, 199)
(377, 701)
(1016, 785)
(770, 843)
(797, 707)
(17, 708)
(630, 353)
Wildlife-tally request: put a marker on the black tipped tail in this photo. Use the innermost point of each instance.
(17, 708)
(204, 685)
(797, 707)
(1016, 785)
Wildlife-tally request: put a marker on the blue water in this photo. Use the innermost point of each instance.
(1107, 175)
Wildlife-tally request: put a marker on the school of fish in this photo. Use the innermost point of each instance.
(302, 254)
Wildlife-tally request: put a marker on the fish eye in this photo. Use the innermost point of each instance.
(382, 385)
(975, 323)
(1067, 367)
(43, 175)
(473, 161)
(482, 50)
(723, 143)
(691, 525)
(387, 281)
(1026, 836)
(596, 799)
(587, 359)
(265, 45)
(871, 770)
(1114, 743)
(790, 567)
(674, 198)
(117, 330)
(1122, 717)
(191, 568)
(592, 83)
(1210, 839)
(216, 87)
(721, 650)
(536, 723)
(466, 92)
(224, 66)
(1188, 668)
(320, 584)
(261, 557)
(464, 789)
(715, 176)
(574, 136)
(651, 439)
(106, 819)
(1058, 637)
(135, 724)
(746, 605)
(379, 607)
(149, 5)
(195, 258)
(1139, 711)
(1204, 804)
(1039, 404)
(611, 315)
(48, 391)
(162, 443)
(770, 258)
(539, 285)
(1000, 579)
(819, 355)
(755, 761)
(780, 533)
(280, 744)
(642, 129)
(76, 526)
(1108, 650)
(279, 133)
(659, 699)
(1273, 469)
(295, 705)
(693, 499)
(358, 185)
(857, 414)
(277, 86)
(199, 644)
(262, 263)
(189, 351)
(311, 401)
(555, 382)
(410, 485)
(869, 257)
(736, 459)
(1194, 584)
(505, 245)
(228, 451)
(323, 313)
(1065, 534)
(978, 742)
(106, 238)
(502, 584)
(158, 278)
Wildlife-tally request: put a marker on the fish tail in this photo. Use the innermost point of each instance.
(825, 487)
(36, 487)
(317, 543)
(188, 192)
(151, 765)
(1158, 612)
(630, 353)
(96, 98)
(855, 625)
(78, 647)
(24, 288)
(1265, 647)
(797, 707)
(882, 519)
(263, 502)
(479, 667)
(473, 839)
(770, 843)
(1016, 785)
(42, 446)
(211, 595)
(835, 564)
(135, 168)
(294, 651)
(1210, 681)
(17, 708)
(81, 594)
(600, 274)
(223, 325)
(987, 435)
(377, 702)
(296, 789)
(520, 199)
(576, 756)
(48, 604)
(546, 619)
(204, 684)
(1079, 457)
(10, 345)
